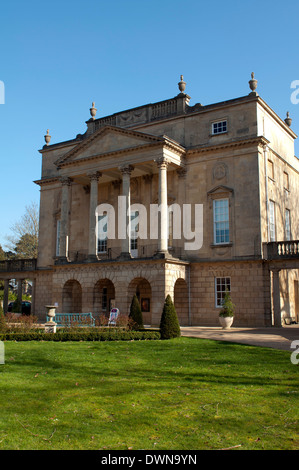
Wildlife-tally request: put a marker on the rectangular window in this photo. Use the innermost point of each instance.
(170, 229)
(286, 181)
(221, 221)
(57, 237)
(287, 225)
(272, 221)
(221, 285)
(134, 232)
(104, 298)
(102, 233)
(219, 127)
(270, 169)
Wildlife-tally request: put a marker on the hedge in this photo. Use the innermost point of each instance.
(111, 335)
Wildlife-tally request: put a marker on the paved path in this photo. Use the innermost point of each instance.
(271, 337)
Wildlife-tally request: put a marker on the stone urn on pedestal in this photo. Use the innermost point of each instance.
(50, 326)
(93, 111)
(253, 84)
(47, 137)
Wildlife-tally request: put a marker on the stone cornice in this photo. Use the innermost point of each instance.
(45, 181)
(224, 145)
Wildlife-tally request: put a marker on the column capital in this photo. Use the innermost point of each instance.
(162, 162)
(94, 175)
(66, 181)
(126, 169)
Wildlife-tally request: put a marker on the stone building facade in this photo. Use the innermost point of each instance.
(232, 161)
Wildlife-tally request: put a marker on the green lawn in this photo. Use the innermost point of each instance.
(181, 394)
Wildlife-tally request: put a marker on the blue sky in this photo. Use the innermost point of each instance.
(57, 57)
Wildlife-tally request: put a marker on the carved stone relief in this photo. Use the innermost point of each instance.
(220, 171)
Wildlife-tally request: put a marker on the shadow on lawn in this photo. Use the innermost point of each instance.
(189, 363)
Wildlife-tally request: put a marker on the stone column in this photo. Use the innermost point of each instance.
(93, 203)
(162, 201)
(126, 171)
(276, 298)
(5, 295)
(64, 221)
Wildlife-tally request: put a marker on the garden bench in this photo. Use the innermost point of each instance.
(73, 319)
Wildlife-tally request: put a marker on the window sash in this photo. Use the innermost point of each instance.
(104, 298)
(170, 229)
(221, 285)
(219, 127)
(134, 230)
(221, 221)
(102, 233)
(58, 238)
(287, 225)
(272, 221)
(286, 181)
(270, 169)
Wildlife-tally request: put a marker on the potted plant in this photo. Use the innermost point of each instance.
(226, 315)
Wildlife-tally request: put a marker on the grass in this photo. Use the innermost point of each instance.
(181, 394)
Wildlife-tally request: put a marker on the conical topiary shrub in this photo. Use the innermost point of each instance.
(136, 313)
(169, 325)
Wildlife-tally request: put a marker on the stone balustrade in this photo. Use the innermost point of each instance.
(16, 265)
(282, 250)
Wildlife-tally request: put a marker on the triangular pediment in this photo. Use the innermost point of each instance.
(109, 140)
(220, 189)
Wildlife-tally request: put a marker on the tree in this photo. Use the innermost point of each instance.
(26, 247)
(136, 313)
(23, 243)
(2, 254)
(169, 325)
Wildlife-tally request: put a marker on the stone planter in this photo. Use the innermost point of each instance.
(226, 322)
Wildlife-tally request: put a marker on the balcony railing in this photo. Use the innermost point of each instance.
(282, 250)
(14, 265)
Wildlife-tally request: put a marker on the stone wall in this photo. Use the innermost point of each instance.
(155, 280)
(250, 292)
(250, 289)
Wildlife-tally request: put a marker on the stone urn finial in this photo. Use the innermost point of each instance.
(182, 85)
(288, 120)
(93, 111)
(47, 137)
(253, 83)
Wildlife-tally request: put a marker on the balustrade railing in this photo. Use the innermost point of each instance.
(282, 250)
(14, 265)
